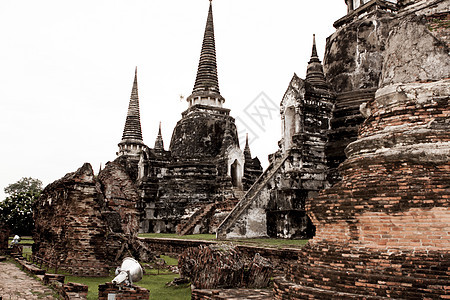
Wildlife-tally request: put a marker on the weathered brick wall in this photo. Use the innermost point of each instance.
(72, 290)
(352, 64)
(120, 196)
(68, 224)
(198, 294)
(87, 224)
(124, 293)
(438, 24)
(342, 271)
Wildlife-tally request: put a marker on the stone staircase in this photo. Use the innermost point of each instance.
(238, 194)
(188, 227)
(248, 197)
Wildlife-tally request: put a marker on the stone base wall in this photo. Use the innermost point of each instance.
(341, 271)
(124, 293)
(172, 246)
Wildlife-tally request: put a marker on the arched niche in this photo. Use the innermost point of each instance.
(289, 126)
(236, 174)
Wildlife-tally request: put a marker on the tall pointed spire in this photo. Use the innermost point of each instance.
(314, 49)
(206, 88)
(159, 143)
(247, 153)
(314, 71)
(132, 133)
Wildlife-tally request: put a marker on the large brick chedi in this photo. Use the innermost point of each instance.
(189, 187)
(383, 231)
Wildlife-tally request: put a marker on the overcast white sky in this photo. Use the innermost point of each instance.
(67, 67)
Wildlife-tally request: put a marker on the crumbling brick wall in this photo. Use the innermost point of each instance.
(122, 293)
(87, 224)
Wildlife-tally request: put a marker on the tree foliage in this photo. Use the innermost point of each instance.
(24, 185)
(17, 209)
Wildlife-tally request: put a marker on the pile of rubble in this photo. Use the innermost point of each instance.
(223, 266)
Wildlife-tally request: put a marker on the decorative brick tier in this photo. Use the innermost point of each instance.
(124, 293)
(395, 189)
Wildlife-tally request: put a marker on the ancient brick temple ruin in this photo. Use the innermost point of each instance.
(320, 116)
(363, 164)
(383, 230)
(204, 171)
(275, 204)
(87, 223)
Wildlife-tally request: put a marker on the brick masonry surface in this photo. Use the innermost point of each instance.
(123, 293)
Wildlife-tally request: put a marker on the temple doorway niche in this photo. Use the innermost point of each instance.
(236, 174)
(289, 126)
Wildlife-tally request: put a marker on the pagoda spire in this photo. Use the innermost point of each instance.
(159, 143)
(206, 88)
(132, 134)
(314, 71)
(314, 49)
(247, 153)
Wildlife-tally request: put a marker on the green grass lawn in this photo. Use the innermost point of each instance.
(170, 261)
(156, 284)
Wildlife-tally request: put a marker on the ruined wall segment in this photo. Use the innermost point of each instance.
(383, 231)
(68, 224)
(87, 224)
(120, 196)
